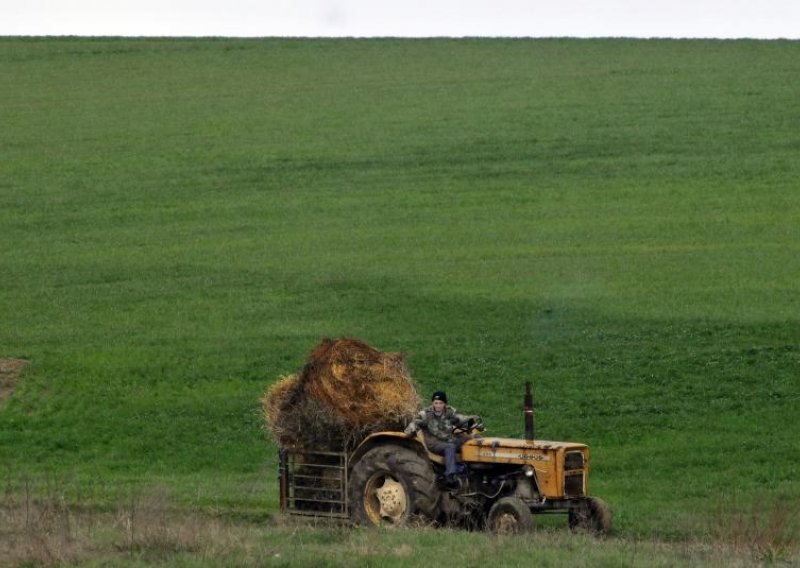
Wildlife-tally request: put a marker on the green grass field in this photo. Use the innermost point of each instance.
(618, 221)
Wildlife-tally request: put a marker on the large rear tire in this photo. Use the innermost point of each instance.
(391, 485)
(509, 515)
(592, 516)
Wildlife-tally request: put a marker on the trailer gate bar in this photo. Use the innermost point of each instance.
(313, 483)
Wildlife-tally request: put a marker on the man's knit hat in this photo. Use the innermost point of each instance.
(439, 395)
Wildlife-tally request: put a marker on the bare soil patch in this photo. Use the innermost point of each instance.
(9, 376)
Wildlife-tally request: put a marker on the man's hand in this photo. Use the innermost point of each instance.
(469, 422)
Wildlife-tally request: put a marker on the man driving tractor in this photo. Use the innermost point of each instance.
(445, 431)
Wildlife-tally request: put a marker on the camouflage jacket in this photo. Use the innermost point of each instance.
(439, 428)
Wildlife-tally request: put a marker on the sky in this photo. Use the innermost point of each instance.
(762, 19)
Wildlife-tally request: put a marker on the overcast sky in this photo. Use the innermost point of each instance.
(404, 18)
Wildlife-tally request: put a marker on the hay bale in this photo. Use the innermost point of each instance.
(300, 421)
(346, 390)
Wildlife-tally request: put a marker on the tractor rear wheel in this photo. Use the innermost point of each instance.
(390, 485)
(592, 516)
(509, 515)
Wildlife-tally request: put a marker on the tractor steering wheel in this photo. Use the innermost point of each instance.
(473, 424)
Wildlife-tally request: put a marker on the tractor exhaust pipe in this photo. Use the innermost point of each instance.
(528, 412)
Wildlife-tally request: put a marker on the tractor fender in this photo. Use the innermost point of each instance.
(415, 443)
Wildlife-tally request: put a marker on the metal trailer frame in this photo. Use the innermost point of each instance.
(313, 483)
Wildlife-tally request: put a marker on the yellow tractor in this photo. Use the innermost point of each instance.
(391, 479)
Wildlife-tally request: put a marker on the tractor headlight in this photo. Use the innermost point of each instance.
(528, 470)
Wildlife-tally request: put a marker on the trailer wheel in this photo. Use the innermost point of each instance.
(592, 516)
(509, 515)
(390, 485)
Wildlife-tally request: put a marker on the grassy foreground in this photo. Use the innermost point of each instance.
(145, 530)
(618, 221)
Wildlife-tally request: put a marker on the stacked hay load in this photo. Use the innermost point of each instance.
(346, 391)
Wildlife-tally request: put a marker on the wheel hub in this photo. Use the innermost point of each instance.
(392, 500)
(506, 524)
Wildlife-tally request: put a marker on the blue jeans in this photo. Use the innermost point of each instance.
(449, 451)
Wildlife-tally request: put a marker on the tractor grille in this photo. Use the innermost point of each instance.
(573, 485)
(574, 474)
(573, 460)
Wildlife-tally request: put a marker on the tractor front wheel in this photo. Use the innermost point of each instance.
(592, 516)
(509, 515)
(390, 485)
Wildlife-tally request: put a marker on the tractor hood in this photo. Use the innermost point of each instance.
(514, 450)
(517, 443)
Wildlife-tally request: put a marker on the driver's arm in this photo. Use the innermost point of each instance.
(415, 425)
